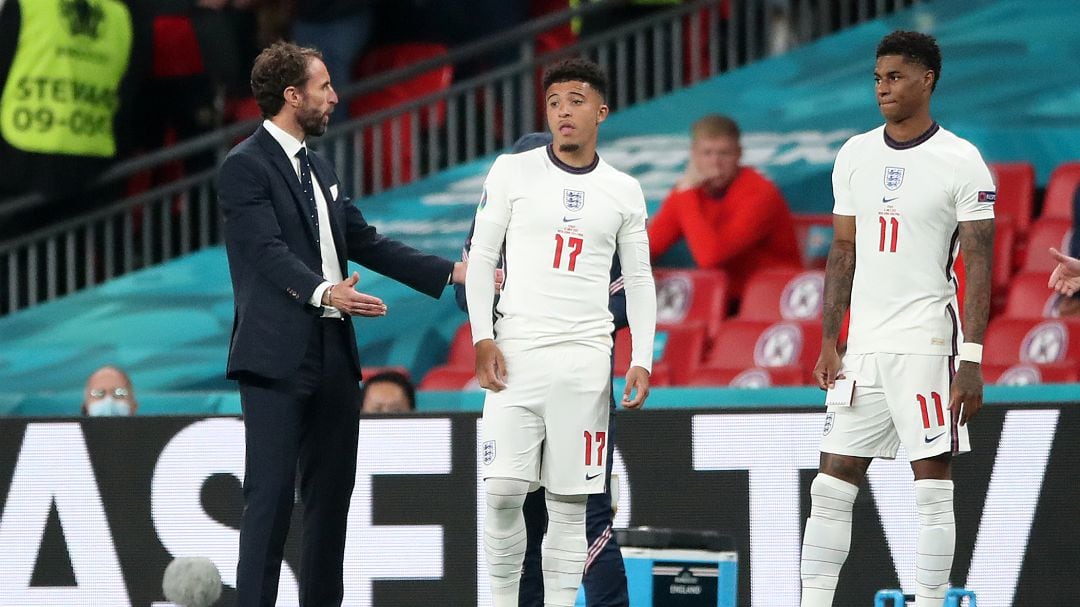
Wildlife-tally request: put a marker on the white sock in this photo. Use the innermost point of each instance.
(564, 549)
(937, 541)
(504, 538)
(827, 538)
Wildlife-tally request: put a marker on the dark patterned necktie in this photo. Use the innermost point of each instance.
(309, 189)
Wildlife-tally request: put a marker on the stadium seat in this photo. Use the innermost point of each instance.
(690, 296)
(814, 233)
(677, 351)
(1046, 233)
(383, 59)
(1023, 374)
(1015, 193)
(786, 350)
(460, 366)
(1029, 297)
(1051, 346)
(450, 378)
(754, 377)
(1060, 190)
(783, 294)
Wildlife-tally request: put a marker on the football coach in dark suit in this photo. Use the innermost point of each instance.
(288, 235)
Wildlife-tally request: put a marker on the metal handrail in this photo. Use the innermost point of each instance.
(645, 58)
(222, 137)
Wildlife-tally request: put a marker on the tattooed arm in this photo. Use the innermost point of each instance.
(839, 272)
(977, 248)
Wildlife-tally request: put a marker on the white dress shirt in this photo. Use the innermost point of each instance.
(330, 267)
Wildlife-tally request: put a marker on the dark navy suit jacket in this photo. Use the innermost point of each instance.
(276, 265)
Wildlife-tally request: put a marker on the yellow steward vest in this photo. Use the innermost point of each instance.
(61, 94)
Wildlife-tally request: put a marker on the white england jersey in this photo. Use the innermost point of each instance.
(907, 199)
(560, 227)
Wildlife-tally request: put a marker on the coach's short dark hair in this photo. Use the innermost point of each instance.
(913, 46)
(579, 70)
(279, 66)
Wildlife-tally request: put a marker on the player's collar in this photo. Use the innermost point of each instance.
(572, 169)
(907, 145)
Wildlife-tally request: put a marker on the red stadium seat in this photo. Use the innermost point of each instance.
(460, 366)
(1015, 193)
(1060, 190)
(755, 377)
(450, 378)
(1023, 374)
(787, 350)
(1052, 346)
(783, 294)
(814, 233)
(690, 296)
(383, 59)
(1029, 297)
(676, 353)
(1046, 233)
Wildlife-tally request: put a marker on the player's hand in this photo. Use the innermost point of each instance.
(346, 298)
(1065, 278)
(637, 388)
(966, 395)
(490, 366)
(827, 369)
(500, 277)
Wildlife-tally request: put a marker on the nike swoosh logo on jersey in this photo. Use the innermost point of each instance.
(930, 440)
(569, 219)
(888, 200)
(589, 477)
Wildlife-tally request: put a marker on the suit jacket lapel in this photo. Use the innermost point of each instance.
(284, 165)
(323, 174)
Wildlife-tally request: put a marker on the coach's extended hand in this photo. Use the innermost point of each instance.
(490, 366)
(346, 298)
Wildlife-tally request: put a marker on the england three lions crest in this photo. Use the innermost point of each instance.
(573, 200)
(894, 177)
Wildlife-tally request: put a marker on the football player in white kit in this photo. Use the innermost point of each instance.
(905, 194)
(560, 213)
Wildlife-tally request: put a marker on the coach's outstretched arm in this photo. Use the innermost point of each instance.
(839, 273)
(977, 248)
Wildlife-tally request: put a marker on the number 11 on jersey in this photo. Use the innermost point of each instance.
(893, 225)
(574, 243)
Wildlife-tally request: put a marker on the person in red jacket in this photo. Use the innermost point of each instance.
(731, 216)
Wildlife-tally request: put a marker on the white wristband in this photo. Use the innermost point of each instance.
(971, 352)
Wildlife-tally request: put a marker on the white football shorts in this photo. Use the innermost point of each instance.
(899, 398)
(550, 423)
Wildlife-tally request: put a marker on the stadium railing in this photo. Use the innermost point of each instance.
(646, 58)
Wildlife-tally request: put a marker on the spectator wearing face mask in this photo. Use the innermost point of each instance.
(108, 391)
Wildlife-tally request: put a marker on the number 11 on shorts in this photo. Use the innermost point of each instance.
(600, 438)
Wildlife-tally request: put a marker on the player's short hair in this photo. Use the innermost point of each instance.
(711, 126)
(279, 66)
(913, 46)
(577, 69)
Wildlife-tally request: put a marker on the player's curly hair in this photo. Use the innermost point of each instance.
(279, 66)
(914, 46)
(579, 70)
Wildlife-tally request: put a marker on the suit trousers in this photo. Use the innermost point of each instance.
(301, 426)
